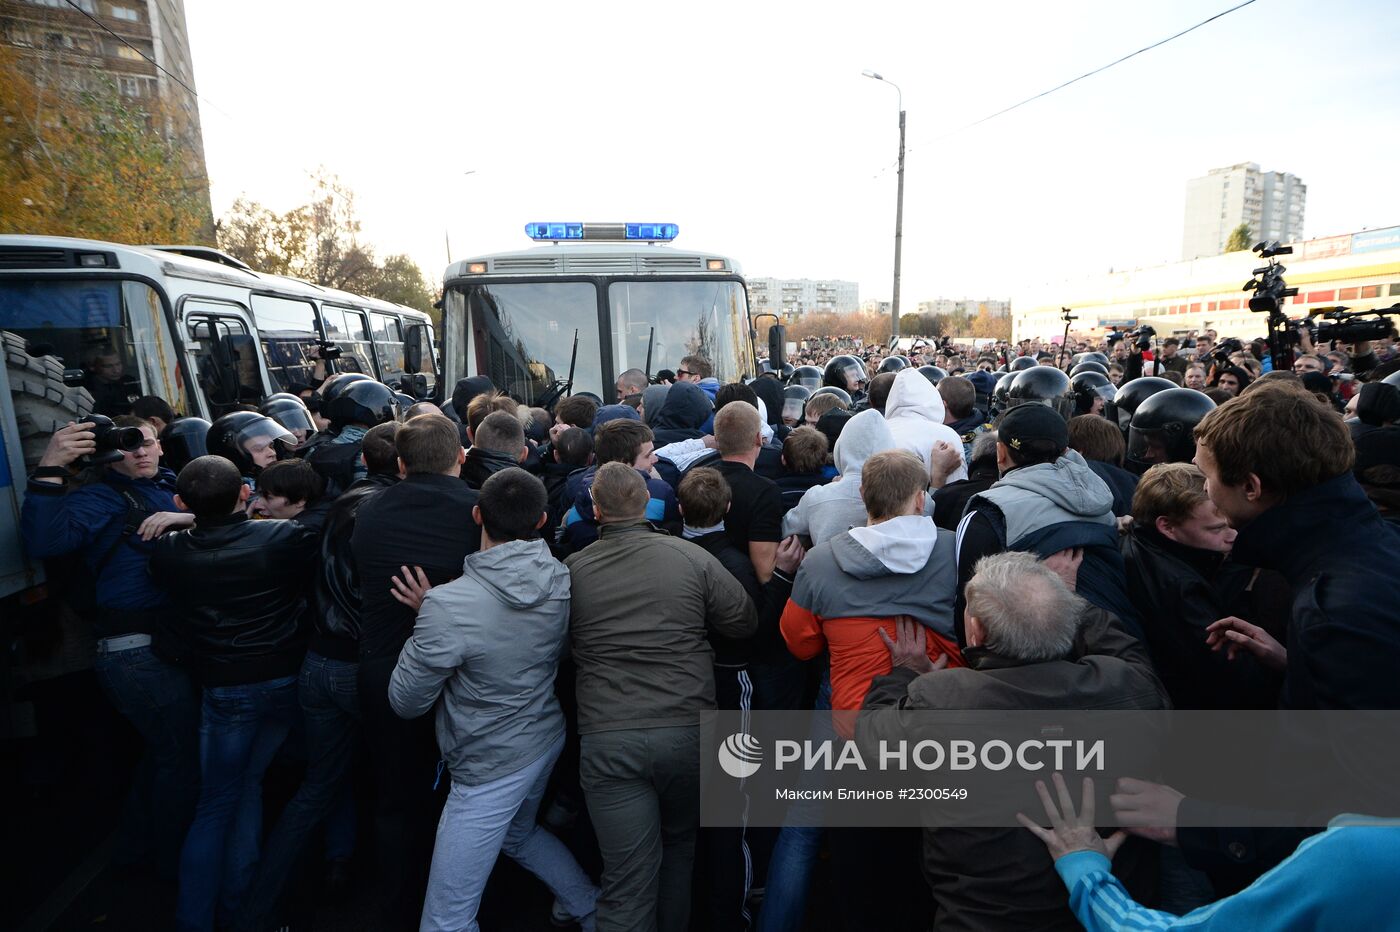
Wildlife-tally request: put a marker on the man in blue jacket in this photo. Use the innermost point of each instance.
(110, 524)
(618, 441)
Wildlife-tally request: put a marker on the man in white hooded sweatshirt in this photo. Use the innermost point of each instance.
(915, 414)
(828, 510)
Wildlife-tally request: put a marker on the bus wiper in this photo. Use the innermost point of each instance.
(651, 341)
(564, 388)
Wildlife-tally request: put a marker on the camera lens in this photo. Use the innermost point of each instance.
(128, 438)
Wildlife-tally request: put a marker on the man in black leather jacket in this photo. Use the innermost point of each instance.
(238, 598)
(327, 691)
(499, 444)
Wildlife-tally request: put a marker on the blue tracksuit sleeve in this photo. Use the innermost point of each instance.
(1342, 878)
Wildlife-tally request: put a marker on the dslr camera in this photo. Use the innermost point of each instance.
(327, 350)
(112, 440)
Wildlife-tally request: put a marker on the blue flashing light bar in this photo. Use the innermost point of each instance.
(553, 232)
(603, 232)
(653, 232)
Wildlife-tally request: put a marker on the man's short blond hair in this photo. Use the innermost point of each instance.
(736, 427)
(889, 480)
(620, 492)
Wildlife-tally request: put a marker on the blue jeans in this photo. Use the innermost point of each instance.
(159, 699)
(478, 823)
(798, 846)
(242, 728)
(328, 693)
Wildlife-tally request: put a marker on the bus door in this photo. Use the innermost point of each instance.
(222, 354)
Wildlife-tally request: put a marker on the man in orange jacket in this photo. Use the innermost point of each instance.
(852, 589)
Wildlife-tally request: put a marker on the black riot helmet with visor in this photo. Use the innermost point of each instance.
(809, 377)
(934, 374)
(1131, 394)
(367, 403)
(841, 394)
(1043, 385)
(1090, 387)
(1164, 425)
(846, 373)
(249, 440)
(894, 363)
(291, 412)
(184, 439)
(795, 403)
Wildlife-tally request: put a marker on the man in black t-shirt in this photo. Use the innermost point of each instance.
(424, 522)
(755, 519)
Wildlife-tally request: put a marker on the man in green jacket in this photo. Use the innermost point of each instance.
(642, 603)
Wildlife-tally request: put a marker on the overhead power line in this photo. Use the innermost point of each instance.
(122, 39)
(1087, 74)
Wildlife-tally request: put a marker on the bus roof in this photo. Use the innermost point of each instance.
(20, 253)
(594, 258)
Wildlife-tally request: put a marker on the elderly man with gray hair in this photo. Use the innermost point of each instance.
(1031, 643)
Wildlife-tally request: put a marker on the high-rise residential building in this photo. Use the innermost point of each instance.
(969, 306)
(140, 48)
(876, 306)
(795, 297)
(1269, 203)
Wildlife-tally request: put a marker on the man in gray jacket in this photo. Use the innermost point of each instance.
(642, 604)
(489, 644)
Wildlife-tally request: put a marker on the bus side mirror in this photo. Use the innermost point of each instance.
(777, 347)
(413, 348)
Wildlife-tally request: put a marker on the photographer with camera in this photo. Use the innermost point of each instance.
(1137, 342)
(109, 522)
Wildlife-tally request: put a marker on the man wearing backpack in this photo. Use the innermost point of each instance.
(109, 524)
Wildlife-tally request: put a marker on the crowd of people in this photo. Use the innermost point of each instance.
(521, 614)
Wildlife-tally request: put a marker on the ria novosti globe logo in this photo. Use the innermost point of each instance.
(740, 755)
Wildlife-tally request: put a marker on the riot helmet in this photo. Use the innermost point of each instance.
(894, 364)
(786, 372)
(1392, 379)
(1131, 394)
(765, 367)
(1043, 385)
(842, 394)
(934, 374)
(1163, 426)
(291, 413)
(250, 441)
(841, 371)
(1093, 393)
(365, 402)
(809, 377)
(182, 440)
(1020, 363)
(1088, 365)
(795, 403)
(1095, 356)
(332, 387)
(1001, 394)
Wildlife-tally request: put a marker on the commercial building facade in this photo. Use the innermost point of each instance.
(1358, 270)
(969, 306)
(1271, 204)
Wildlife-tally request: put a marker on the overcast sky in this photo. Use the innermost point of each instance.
(750, 126)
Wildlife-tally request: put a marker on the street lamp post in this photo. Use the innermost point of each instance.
(899, 206)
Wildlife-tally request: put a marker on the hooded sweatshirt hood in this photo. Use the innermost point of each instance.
(770, 395)
(653, 399)
(682, 414)
(864, 435)
(915, 413)
(520, 573)
(1068, 483)
(900, 545)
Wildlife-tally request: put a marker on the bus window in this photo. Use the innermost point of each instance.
(524, 336)
(347, 329)
(288, 333)
(88, 325)
(708, 318)
(388, 346)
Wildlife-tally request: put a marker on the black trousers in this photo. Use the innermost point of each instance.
(404, 756)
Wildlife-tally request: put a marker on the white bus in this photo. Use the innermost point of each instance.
(593, 300)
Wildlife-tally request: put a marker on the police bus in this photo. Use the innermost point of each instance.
(88, 326)
(590, 302)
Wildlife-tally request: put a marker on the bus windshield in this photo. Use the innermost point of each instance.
(523, 335)
(681, 318)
